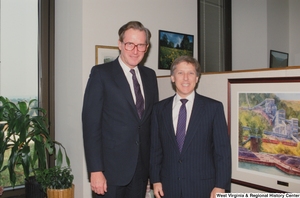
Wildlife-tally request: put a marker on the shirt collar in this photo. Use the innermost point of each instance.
(190, 97)
(125, 67)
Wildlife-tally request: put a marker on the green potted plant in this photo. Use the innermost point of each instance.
(3, 148)
(57, 181)
(1, 186)
(27, 130)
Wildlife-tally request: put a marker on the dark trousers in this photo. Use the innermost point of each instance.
(135, 189)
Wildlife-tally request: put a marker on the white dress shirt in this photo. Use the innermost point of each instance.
(128, 75)
(176, 107)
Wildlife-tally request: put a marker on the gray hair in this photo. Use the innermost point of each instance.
(136, 25)
(187, 59)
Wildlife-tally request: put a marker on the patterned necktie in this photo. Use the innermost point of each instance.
(138, 94)
(181, 125)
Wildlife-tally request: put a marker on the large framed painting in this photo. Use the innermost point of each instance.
(173, 45)
(263, 121)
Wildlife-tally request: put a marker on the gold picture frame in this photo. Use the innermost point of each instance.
(104, 53)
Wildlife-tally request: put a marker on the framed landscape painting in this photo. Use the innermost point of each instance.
(263, 121)
(173, 45)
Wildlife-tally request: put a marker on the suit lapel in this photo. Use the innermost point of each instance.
(168, 121)
(123, 84)
(198, 112)
(147, 90)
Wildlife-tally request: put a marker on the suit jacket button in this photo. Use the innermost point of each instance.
(137, 142)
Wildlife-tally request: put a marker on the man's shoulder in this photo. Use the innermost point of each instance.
(207, 101)
(146, 69)
(164, 102)
(106, 68)
(106, 65)
(206, 98)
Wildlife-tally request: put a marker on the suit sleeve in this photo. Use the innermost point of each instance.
(91, 125)
(156, 149)
(222, 151)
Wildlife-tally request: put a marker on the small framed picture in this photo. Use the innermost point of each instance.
(173, 45)
(278, 59)
(105, 53)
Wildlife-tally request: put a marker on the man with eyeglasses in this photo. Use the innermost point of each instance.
(116, 115)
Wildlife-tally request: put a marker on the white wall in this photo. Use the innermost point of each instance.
(68, 87)
(102, 20)
(249, 34)
(82, 24)
(294, 27)
(259, 26)
(277, 26)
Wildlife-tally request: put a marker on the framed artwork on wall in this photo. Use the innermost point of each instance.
(104, 53)
(278, 59)
(171, 45)
(263, 121)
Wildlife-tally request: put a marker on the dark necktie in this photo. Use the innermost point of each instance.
(139, 103)
(181, 125)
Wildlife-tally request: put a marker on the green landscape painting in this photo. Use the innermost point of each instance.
(269, 133)
(173, 45)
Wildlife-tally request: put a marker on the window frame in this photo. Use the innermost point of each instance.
(227, 34)
(46, 19)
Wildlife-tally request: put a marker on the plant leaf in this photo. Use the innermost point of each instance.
(25, 153)
(59, 158)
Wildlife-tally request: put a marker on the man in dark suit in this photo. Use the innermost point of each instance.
(190, 146)
(116, 117)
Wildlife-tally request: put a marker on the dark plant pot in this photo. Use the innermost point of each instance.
(33, 188)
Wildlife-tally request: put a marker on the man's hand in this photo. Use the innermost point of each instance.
(157, 188)
(98, 183)
(215, 191)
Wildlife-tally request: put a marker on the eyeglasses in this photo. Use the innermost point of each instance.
(140, 47)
